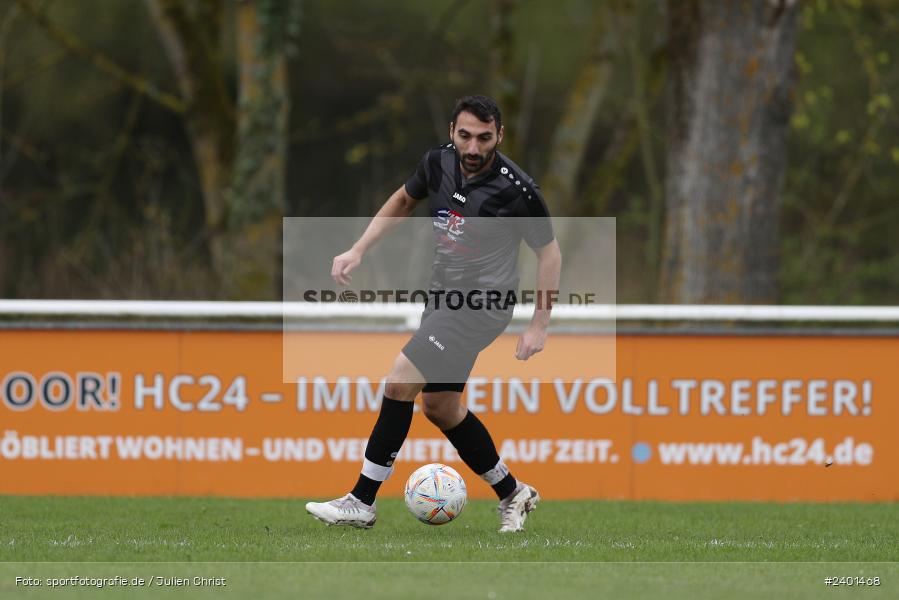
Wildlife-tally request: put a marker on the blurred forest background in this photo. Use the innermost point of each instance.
(748, 148)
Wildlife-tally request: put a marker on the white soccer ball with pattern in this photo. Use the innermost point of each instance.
(436, 494)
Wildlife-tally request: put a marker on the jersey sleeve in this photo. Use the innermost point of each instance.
(417, 185)
(536, 228)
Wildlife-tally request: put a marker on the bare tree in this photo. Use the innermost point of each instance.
(191, 34)
(239, 147)
(730, 83)
(239, 144)
(572, 134)
(503, 84)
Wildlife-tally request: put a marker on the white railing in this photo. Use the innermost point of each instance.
(409, 313)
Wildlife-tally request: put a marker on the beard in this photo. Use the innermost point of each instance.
(472, 163)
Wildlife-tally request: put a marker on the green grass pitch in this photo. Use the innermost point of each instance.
(272, 548)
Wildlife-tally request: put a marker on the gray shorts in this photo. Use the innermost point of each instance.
(448, 342)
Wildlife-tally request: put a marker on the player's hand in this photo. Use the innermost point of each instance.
(530, 343)
(343, 264)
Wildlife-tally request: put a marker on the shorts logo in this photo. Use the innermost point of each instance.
(435, 341)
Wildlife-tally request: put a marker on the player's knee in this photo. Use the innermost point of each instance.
(400, 390)
(393, 390)
(442, 413)
(436, 414)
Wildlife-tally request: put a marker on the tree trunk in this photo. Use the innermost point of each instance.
(730, 86)
(240, 153)
(192, 42)
(572, 134)
(257, 192)
(503, 85)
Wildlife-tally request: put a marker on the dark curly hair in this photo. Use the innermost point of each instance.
(483, 107)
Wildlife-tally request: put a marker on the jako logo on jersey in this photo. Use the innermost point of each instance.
(435, 341)
(459, 197)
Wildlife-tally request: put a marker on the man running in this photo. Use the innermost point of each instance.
(482, 205)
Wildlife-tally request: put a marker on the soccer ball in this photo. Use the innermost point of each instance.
(435, 494)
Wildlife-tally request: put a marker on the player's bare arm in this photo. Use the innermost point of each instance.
(399, 206)
(549, 267)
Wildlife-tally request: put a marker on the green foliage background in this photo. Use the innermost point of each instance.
(99, 196)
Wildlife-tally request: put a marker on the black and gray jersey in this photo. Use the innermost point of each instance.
(479, 222)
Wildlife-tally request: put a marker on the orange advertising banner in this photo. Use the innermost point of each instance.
(682, 417)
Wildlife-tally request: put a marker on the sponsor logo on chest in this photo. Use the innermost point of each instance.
(449, 221)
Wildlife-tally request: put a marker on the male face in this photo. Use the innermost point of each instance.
(475, 142)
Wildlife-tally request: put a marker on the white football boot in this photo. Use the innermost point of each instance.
(348, 510)
(514, 508)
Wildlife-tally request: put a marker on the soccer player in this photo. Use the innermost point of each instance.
(482, 205)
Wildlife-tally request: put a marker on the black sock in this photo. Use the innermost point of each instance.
(386, 439)
(366, 489)
(477, 450)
